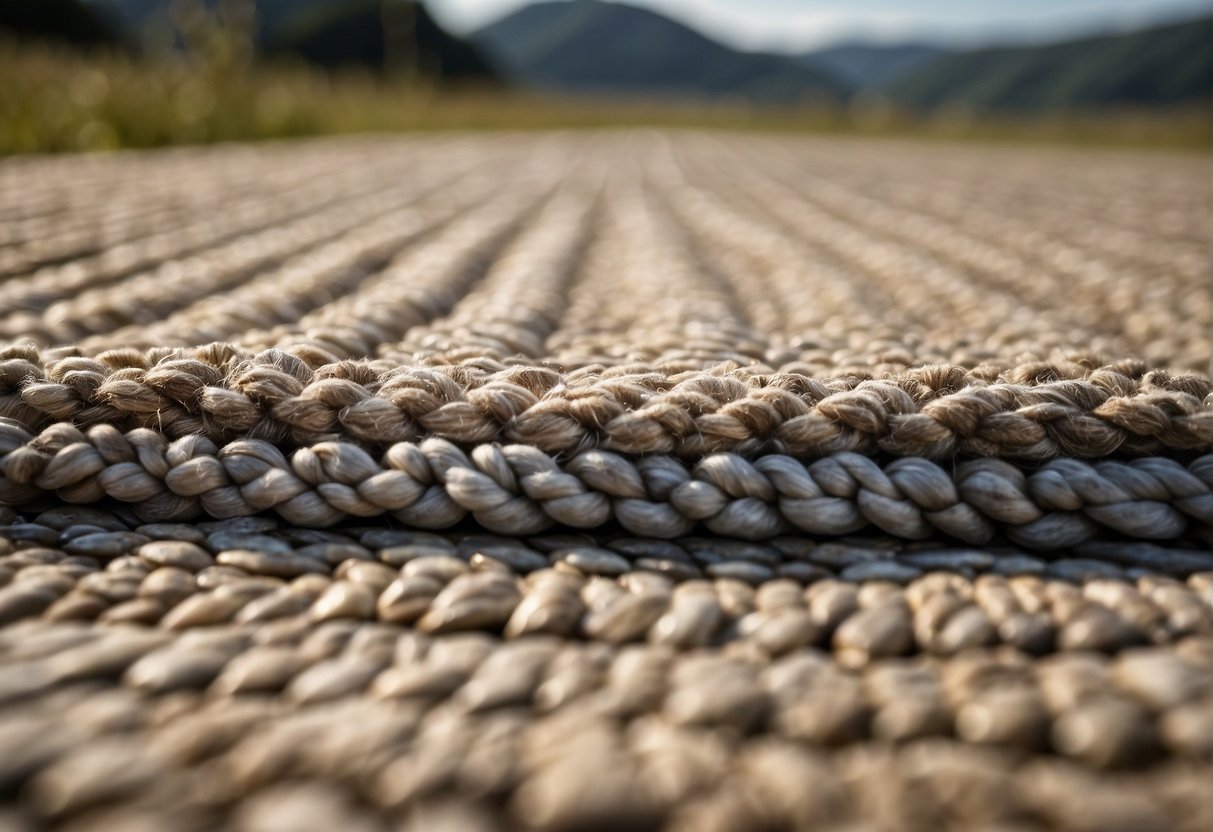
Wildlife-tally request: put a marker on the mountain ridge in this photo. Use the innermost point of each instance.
(588, 46)
(1164, 65)
(864, 65)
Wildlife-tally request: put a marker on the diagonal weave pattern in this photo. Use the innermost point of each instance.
(600, 481)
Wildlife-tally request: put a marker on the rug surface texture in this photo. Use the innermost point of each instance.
(594, 481)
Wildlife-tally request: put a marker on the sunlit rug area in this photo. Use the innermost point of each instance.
(631, 480)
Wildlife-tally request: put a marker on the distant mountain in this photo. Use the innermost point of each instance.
(378, 35)
(333, 33)
(592, 46)
(871, 66)
(65, 20)
(1156, 67)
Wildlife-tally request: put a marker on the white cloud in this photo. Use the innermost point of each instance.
(791, 25)
(773, 26)
(465, 15)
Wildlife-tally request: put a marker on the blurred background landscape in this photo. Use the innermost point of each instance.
(104, 74)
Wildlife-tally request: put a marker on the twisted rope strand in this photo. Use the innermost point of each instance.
(519, 489)
(100, 316)
(199, 232)
(222, 392)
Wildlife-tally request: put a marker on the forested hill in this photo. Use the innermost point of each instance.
(68, 21)
(1156, 67)
(334, 33)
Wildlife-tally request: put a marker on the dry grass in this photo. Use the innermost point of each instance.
(54, 99)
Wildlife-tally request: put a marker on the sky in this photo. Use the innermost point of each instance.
(793, 25)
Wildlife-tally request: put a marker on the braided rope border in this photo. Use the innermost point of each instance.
(520, 490)
(934, 412)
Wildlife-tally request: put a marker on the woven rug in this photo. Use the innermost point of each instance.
(606, 481)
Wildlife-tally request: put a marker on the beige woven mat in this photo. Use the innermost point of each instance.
(606, 481)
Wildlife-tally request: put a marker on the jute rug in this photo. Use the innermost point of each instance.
(620, 481)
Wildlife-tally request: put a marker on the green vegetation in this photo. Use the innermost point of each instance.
(1159, 67)
(204, 74)
(592, 46)
(62, 100)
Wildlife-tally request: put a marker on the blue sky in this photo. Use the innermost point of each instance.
(787, 25)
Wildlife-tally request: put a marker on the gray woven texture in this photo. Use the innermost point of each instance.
(621, 481)
(518, 489)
